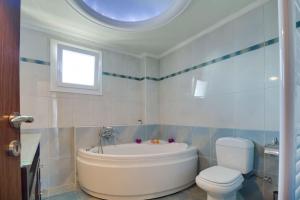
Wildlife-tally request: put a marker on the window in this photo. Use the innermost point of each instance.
(75, 69)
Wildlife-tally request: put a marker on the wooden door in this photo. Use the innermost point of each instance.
(10, 172)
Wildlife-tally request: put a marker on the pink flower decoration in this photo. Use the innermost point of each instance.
(138, 140)
(171, 140)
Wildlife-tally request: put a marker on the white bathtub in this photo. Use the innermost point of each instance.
(137, 171)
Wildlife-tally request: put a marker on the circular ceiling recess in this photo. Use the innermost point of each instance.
(130, 15)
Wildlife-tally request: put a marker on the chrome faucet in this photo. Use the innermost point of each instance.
(106, 133)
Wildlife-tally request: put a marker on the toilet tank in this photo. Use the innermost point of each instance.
(235, 153)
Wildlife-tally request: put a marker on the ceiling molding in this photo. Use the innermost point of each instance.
(144, 55)
(240, 13)
(61, 33)
(54, 32)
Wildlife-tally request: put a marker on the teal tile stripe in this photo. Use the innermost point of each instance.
(122, 76)
(298, 24)
(29, 60)
(225, 57)
(131, 77)
(204, 64)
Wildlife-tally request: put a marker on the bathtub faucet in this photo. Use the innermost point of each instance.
(106, 133)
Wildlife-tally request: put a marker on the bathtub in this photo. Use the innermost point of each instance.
(137, 171)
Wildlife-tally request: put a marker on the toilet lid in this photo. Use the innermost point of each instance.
(220, 175)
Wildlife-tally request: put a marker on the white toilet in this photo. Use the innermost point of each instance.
(234, 158)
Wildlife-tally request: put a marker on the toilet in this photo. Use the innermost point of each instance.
(234, 158)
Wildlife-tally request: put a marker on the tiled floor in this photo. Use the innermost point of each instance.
(192, 193)
(251, 190)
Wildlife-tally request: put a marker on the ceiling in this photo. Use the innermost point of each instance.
(59, 16)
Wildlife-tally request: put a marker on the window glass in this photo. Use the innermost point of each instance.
(78, 68)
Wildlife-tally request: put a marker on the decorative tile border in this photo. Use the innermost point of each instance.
(225, 57)
(131, 77)
(41, 62)
(122, 76)
(29, 60)
(204, 64)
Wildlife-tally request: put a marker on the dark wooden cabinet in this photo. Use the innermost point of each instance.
(31, 179)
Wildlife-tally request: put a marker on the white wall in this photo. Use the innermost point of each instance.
(151, 91)
(120, 104)
(239, 92)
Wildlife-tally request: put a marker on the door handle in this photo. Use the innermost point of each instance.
(16, 119)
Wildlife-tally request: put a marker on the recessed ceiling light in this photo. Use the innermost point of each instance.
(130, 15)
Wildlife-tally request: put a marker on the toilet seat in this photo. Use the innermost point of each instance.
(219, 179)
(220, 175)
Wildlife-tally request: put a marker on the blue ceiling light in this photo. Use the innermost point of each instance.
(130, 14)
(129, 10)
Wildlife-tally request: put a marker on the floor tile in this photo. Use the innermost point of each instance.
(192, 193)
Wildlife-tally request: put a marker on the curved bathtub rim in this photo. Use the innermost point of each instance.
(133, 164)
(83, 152)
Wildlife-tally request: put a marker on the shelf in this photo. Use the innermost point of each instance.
(272, 150)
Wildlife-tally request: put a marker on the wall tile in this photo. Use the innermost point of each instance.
(223, 78)
(204, 163)
(199, 50)
(86, 137)
(128, 134)
(34, 80)
(152, 131)
(61, 172)
(36, 107)
(244, 34)
(249, 110)
(30, 48)
(221, 37)
(249, 71)
(44, 147)
(151, 102)
(61, 112)
(272, 72)
(184, 134)
(61, 142)
(271, 19)
(168, 131)
(84, 112)
(44, 177)
(201, 140)
(220, 111)
(272, 109)
(152, 67)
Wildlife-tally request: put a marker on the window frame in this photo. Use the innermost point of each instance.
(56, 48)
